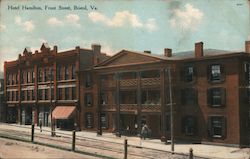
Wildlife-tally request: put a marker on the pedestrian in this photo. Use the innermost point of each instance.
(144, 131)
(40, 125)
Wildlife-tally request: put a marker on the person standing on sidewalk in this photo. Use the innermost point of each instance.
(40, 125)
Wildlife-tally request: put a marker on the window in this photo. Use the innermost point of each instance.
(51, 73)
(17, 96)
(89, 120)
(88, 100)
(88, 81)
(215, 73)
(104, 98)
(66, 93)
(189, 125)
(217, 126)
(104, 120)
(40, 75)
(188, 96)
(60, 94)
(28, 95)
(22, 95)
(247, 95)
(216, 97)
(247, 72)
(188, 74)
(73, 71)
(59, 73)
(21, 77)
(73, 93)
(66, 72)
(46, 92)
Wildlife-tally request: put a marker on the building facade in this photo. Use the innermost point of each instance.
(2, 104)
(209, 91)
(45, 85)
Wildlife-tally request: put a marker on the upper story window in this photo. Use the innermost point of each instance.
(188, 74)
(66, 72)
(216, 97)
(217, 126)
(104, 98)
(215, 73)
(40, 74)
(73, 93)
(73, 71)
(247, 72)
(188, 96)
(88, 81)
(66, 93)
(88, 100)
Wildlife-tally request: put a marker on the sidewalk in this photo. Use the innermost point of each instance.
(201, 150)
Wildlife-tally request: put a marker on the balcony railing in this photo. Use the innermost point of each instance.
(150, 81)
(128, 107)
(151, 107)
(128, 82)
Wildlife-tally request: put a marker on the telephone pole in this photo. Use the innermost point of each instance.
(171, 109)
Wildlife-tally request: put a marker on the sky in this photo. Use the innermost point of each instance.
(123, 24)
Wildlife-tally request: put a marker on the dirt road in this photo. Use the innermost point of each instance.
(18, 149)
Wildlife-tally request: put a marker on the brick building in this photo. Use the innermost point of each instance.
(39, 83)
(210, 93)
(2, 105)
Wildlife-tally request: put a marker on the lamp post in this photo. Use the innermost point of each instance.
(51, 116)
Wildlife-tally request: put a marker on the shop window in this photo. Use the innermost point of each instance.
(217, 126)
(188, 74)
(104, 120)
(189, 125)
(88, 100)
(215, 73)
(89, 120)
(88, 81)
(188, 96)
(216, 97)
(168, 123)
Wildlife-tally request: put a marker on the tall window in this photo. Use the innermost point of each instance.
(247, 72)
(217, 126)
(104, 120)
(46, 91)
(60, 97)
(88, 100)
(40, 94)
(188, 74)
(73, 93)
(215, 73)
(189, 125)
(66, 72)
(89, 120)
(216, 97)
(58, 72)
(73, 71)
(66, 93)
(22, 95)
(188, 96)
(88, 81)
(40, 75)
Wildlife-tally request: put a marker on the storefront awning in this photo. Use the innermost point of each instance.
(63, 112)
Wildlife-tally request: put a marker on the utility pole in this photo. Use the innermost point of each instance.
(50, 86)
(171, 109)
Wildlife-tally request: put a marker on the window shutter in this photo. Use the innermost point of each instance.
(223, 96)
(209, 127)
(224, 128)
(223, 73)
(209, 97)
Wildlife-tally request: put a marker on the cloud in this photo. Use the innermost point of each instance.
(73, 19)
(187, 19)
(53, 21)
(2, 27)
(28, 26)
(121, 19)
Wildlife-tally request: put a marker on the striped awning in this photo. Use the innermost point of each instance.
(63, 112)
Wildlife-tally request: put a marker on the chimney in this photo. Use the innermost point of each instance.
(168, 52)
(96, 48)
(55, 49)
(247, 46)
(198, 49)
(147, 51)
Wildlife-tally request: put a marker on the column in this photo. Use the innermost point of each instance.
(163, 104)
(138, 98)
(117, 77)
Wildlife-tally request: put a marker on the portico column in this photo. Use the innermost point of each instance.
(138, 97)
